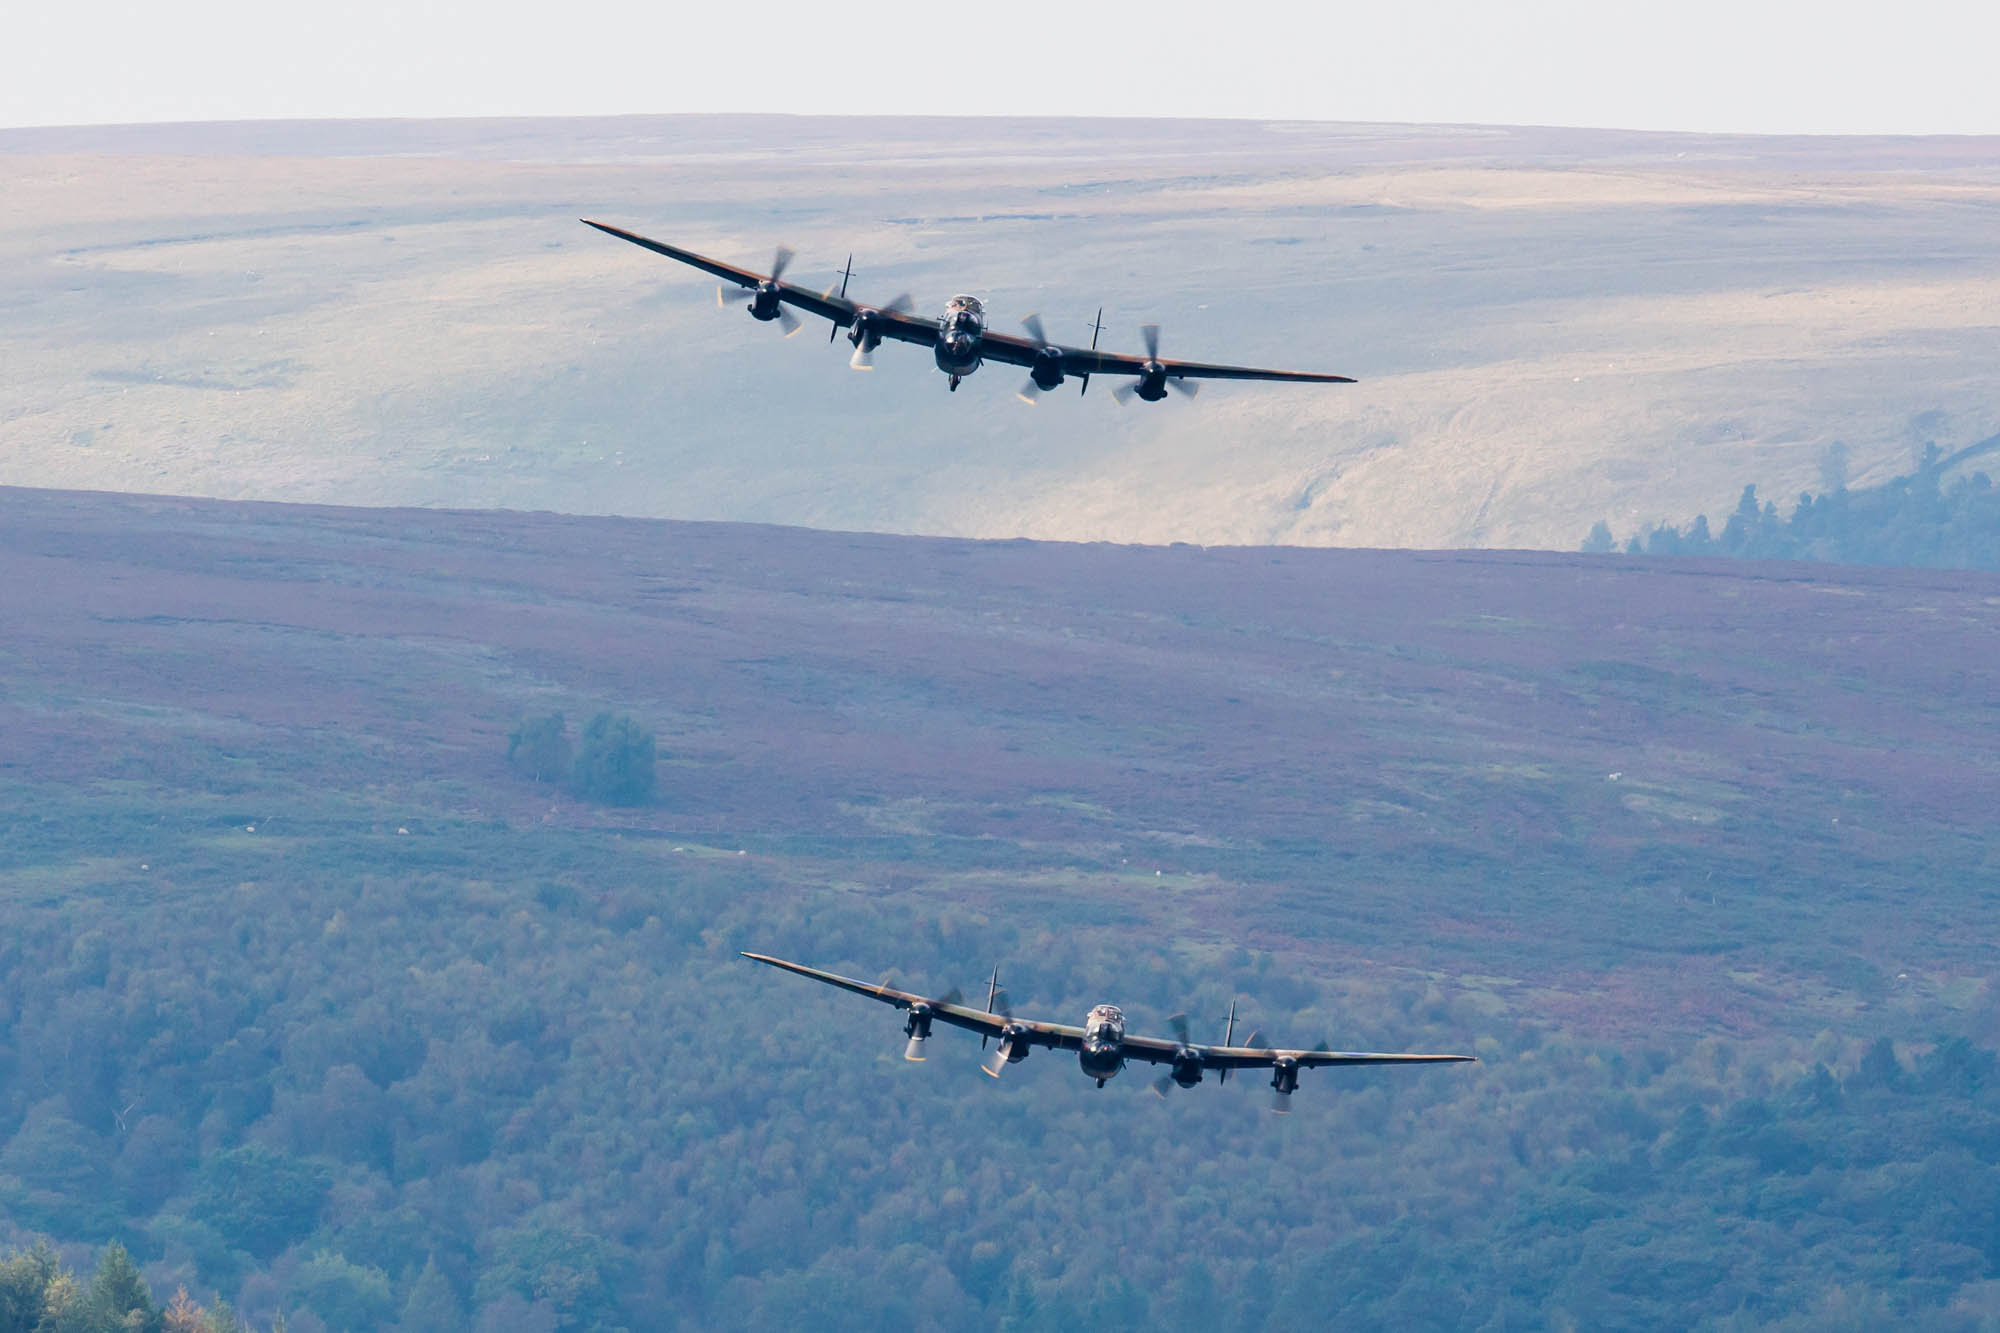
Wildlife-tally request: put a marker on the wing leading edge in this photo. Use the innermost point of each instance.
(1056, 1035)
(839, 309)
(1091, 361)
(1156, 1051)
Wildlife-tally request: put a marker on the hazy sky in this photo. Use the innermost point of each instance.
(1781, 66)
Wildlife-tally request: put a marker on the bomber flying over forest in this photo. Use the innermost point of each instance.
(1102, 1045)
(959, 340)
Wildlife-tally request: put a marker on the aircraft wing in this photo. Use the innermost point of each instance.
(1060, 1035)
(892, 324)
(1005, 347)
(1159, 1051)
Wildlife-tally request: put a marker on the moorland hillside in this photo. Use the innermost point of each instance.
(1550, 326)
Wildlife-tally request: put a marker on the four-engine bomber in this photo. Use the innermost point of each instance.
(1102, 1045)
(959, 340)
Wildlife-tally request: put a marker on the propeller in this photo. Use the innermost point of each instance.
(1048, 370)
(765, 302)
(1013, 1040)
(1013, 1037)
(866, 332)
(1182, 1064)
(1152, 385)
(1284, 1082)
(918, 1025)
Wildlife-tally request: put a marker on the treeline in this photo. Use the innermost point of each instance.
(38, 1294)
(1918, 521)
(613, 761)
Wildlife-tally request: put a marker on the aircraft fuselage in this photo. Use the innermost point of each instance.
(959, 330)
(1101, 1055)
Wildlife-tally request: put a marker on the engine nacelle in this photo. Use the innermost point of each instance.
(1014, 1041)
(1047, 372)
(866, 331)
(918, 1029)
(1187, 1068)
(764, 302)
(1285, 1077)
(1153, 384)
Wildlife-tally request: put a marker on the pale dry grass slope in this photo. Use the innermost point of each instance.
(1550, 326)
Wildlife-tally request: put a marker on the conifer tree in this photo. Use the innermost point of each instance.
(118, 1295)
(432, 1306)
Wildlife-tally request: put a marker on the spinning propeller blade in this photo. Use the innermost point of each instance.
(1179, 1023)
(1031, 391)
(914, 1051)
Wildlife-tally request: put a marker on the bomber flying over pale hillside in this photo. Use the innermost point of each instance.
(959, 340)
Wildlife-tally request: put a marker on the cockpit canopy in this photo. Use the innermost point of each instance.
(964, 313)
(1106, 1025)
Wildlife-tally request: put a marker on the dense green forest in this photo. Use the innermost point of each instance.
(418, 1087)
(1919, 520)
(322, 1003)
